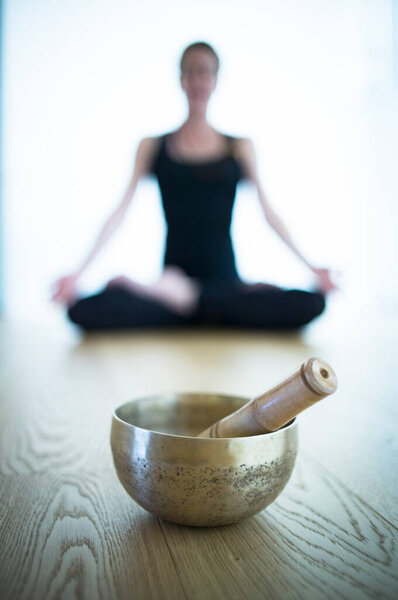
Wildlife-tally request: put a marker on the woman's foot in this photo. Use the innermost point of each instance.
(174, 289)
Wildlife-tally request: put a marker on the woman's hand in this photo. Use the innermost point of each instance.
(65, 290)
(324, 280)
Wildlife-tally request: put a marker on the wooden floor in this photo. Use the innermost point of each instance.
(69, 530)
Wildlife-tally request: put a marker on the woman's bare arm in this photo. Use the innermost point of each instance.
(247, 156)
(64, 288)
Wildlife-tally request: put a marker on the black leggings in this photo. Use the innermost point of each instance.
(233, 305)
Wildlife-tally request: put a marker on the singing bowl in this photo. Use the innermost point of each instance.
(197, 481)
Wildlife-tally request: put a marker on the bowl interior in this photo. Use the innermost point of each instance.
(179, 414)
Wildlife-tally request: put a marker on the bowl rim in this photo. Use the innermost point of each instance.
(290, 425)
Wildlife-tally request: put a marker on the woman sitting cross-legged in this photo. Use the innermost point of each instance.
(198, 169)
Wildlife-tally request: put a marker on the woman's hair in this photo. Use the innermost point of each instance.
(199, 46)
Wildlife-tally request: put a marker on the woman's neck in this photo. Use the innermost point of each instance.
(196, 124)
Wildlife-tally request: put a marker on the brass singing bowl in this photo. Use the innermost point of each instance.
(197, 481)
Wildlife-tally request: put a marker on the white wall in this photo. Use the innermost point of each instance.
(311, 82)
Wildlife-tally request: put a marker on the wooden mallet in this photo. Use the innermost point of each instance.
(269, 411)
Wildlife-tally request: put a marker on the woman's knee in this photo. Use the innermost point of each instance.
(77, 313)
(91, 311)
(318, 303)
(309, 305)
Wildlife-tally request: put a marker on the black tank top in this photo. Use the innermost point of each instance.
(198, 199)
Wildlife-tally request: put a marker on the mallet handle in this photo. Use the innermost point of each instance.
(314, 380)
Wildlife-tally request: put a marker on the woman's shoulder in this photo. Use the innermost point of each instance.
(232, 137)
(150, 142)
(147, 153)
(158, 138)
(238, 141)
(240, 146)
(242, 149)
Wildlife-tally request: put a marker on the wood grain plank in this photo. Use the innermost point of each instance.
(56, 408)
(317, 540)
(353, 434)
(79, 535)
(69, 530)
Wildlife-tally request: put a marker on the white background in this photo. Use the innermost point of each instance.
(311, 82)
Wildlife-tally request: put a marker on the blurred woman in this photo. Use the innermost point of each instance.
(198, 169)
